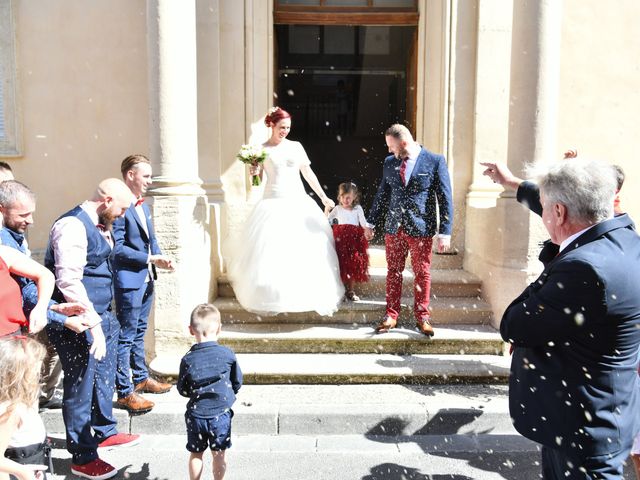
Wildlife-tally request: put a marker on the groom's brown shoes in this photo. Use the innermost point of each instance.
(424, 327)
(386, 324)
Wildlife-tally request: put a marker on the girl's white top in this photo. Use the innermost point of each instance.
(31, 428)
(354, 216)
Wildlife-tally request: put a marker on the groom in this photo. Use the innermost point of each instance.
(415, 184)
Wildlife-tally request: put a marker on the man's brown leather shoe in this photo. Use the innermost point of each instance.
(135, 403)
(423, 326)
(386, 324)
(152, 386)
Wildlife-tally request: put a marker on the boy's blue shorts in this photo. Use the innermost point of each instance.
(214, 432)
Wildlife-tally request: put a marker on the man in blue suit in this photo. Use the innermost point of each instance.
(576, 331)
(136, 255)
(415, 185)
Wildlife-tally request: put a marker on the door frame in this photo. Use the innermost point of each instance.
(432, 68)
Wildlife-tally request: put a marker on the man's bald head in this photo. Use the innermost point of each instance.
(113, 188)
(113, 197)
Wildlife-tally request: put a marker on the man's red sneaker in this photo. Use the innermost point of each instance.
(120, 440)
(96, 469)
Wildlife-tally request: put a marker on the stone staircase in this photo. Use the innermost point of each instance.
(306, 348)
(332, 384)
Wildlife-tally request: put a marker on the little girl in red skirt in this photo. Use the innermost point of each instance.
(348, 222)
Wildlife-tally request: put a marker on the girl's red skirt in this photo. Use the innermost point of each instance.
(351, 247)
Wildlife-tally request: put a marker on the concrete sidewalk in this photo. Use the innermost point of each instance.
(293, 457)
(337, 410)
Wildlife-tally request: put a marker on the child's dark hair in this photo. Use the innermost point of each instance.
(349, 187)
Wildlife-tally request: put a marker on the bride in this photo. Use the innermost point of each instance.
(284, 259)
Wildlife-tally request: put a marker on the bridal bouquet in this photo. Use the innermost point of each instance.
(253, 155)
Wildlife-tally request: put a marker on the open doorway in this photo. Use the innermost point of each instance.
(344, 85)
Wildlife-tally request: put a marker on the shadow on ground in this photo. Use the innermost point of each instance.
(391, 471)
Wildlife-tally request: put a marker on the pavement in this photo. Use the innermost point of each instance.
(296, 457)
(367, 432)
(257, 457)
(337, 410)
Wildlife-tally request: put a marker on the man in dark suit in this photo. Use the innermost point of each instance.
(528, 194)
(576, 330)
(136, 255)
(415, 184)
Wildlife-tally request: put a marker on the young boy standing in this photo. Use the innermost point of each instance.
(210, 376)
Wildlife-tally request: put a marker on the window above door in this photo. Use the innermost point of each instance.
(346, 12)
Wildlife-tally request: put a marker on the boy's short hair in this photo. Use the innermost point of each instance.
(205, 318)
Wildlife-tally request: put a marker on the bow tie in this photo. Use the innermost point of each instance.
(139, 202)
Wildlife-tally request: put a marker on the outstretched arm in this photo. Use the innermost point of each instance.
(500, 174)
(313, 182)
(527, 192)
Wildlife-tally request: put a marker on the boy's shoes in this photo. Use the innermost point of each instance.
(135, 403)
(386, 324)
(96, 469)
(120, 440)
(351, 295)
(152, 386)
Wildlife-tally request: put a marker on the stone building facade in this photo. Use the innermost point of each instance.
(84, 84)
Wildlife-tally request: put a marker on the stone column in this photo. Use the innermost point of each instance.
(533, 123)
(535, 82)
(180, 209)
(517, 84)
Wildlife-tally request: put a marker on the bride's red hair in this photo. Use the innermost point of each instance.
(274, 115)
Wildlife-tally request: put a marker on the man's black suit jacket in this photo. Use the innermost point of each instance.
(576, 331)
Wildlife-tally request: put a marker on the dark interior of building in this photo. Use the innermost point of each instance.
(344, 85)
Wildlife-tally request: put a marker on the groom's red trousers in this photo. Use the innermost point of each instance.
(396, 248)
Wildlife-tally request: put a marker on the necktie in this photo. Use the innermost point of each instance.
(139, 202)
(403, 169)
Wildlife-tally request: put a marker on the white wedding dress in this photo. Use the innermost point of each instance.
(284, 259)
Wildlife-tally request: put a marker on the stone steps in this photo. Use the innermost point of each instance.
(377, 258)
(359, 368)
(444, 283)
(343, 338)
(368, 311)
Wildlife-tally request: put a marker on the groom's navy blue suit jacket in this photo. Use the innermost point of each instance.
(414, 207)
(576, 331)
(132, 246)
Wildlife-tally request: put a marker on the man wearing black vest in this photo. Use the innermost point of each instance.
(79, 254)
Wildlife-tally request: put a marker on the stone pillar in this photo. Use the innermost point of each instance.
(535, 82)
(533, 123)
(517, 84)
(180, 207)
(235, 87)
